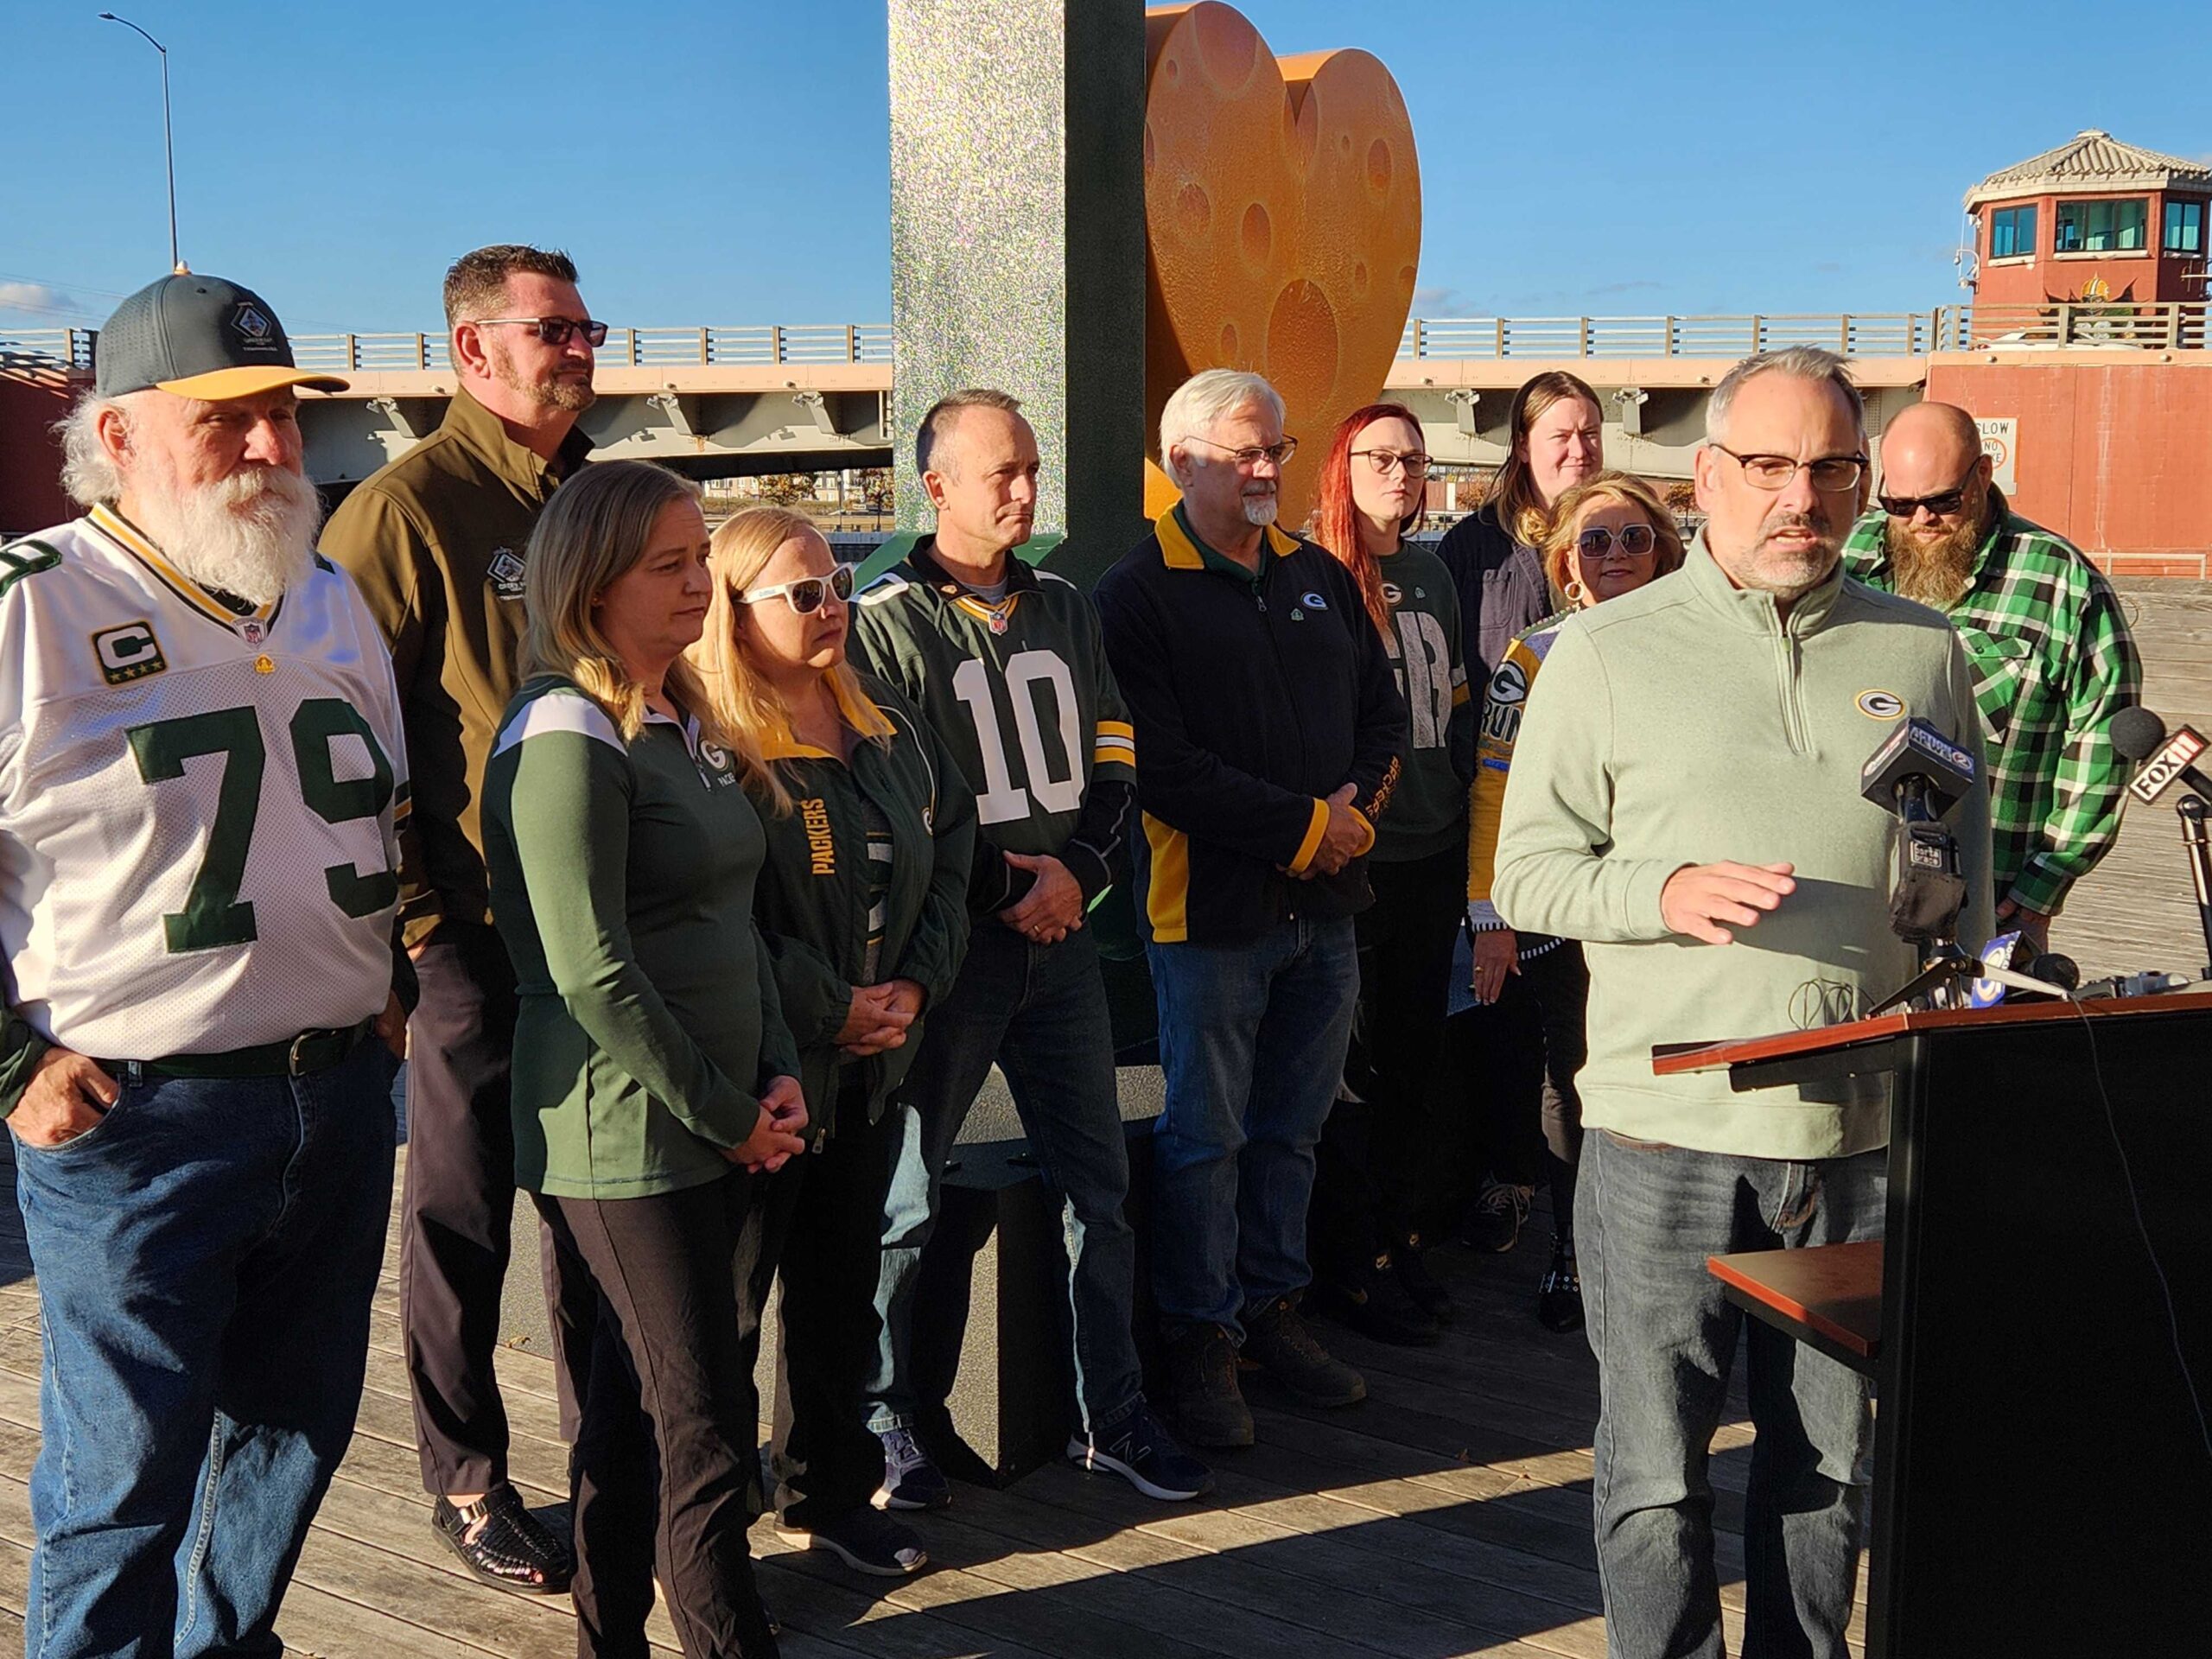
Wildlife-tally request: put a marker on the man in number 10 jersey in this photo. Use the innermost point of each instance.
(200, 774)
(1007, 664)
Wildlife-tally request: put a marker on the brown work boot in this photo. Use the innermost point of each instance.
(1209, 1407)
(1276, 1337)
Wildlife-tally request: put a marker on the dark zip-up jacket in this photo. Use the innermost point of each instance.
(812, 898)
(1254, 698)
(1501, 585)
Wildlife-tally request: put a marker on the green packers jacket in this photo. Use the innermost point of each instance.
(1021, 694)
(623, 876)
(817, 901)
(1429, 813)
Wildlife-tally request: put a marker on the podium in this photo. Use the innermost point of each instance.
(2042, 1483)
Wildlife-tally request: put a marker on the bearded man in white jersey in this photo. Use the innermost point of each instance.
(200, 774)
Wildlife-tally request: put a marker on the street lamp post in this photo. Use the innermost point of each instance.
(168, 143)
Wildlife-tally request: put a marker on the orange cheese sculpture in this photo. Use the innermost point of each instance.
(1282, 218)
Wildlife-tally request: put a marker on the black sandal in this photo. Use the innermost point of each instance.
(512, 1548)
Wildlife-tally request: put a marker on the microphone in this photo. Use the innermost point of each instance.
(2140, 735)
(2010, 963)
(2136, 734)
(1919, 774)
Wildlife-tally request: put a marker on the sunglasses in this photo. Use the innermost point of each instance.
(554, 330)
(806, 596)
(1637, 541)
(1937, 505)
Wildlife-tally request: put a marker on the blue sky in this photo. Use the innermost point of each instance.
(725, 162)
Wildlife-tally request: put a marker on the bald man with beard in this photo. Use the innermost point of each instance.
(2045, 638)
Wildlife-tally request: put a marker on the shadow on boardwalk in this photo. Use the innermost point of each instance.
(1449, 1513)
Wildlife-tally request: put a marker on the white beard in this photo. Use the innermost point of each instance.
(252, 535)
(1261, 509)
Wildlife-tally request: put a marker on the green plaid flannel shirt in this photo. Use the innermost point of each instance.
(2052, 662)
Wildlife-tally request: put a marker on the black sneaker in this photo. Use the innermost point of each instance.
(911, 1479)
(1413, 1277)
(1140, 1450)
(1493, 1221)
(865, 1540)
(1209, 1406)
(1373, 1302)
(1558, 1298)
(1277, 1339)
(501, 1543)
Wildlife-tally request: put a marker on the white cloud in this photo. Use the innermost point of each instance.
(42, 300)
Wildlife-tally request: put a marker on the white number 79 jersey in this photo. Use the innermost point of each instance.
(197, 810)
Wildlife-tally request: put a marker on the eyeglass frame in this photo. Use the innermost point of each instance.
(1860, 463)
(537, 326)
(756, 595)
(1908, 506)
(1246, 460)
(1615, 537)
(1398, 458)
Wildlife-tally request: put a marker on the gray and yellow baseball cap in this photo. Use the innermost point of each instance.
(198, 337)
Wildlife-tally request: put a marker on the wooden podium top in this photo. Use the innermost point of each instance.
(1859, 1033)
(1829, 1295)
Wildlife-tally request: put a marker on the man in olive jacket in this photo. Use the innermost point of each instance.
(436, 542)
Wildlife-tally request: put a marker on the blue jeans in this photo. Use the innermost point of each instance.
(1252, 1041)
(1038, 1010)
(205, 1254)
(1647, 1216)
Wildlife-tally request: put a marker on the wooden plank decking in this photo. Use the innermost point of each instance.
(1447, 1514)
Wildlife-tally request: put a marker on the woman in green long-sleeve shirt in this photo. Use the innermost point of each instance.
(655, 1082)
(863, 903)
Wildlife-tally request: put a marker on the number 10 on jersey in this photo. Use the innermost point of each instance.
(1054, 789)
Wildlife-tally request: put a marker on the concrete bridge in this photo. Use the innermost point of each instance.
(722, 401)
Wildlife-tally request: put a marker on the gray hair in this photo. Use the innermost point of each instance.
(88, 472)
(1799, 363)
(1209, 398)
(945, 413)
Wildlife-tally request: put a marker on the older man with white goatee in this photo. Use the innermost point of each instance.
(1268, 728)
(199, 782)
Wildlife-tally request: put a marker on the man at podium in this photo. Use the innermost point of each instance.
(1685, 799)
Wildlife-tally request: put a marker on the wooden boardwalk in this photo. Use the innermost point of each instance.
(1449, 1513)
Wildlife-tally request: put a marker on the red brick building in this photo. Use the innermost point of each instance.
(2093, 220)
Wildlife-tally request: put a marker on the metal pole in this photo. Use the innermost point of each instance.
(168, 141)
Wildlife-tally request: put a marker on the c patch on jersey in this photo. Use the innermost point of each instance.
(130, 652)
(1880, 705)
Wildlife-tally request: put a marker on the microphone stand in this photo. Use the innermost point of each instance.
(2198, 845)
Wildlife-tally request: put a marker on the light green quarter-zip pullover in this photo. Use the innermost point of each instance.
(1689, 722)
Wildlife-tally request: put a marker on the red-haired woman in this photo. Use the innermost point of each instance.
(1369, 1186)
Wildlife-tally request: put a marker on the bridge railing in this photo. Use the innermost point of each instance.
(2175, 326)
(753, 346)
(1897, 333)
(2171, 326)
(45, 349)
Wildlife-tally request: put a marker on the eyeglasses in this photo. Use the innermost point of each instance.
(1942, 502)
(1248, 458)
(805, 596)
(1773, 472)
(1386, 461)
(554, 330)
(1637, 541)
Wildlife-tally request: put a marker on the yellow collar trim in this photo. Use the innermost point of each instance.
(1179, 551)
(135, 541)
(855, 709)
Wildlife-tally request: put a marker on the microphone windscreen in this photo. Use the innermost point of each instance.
(2061, 971)
(2136, 733)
